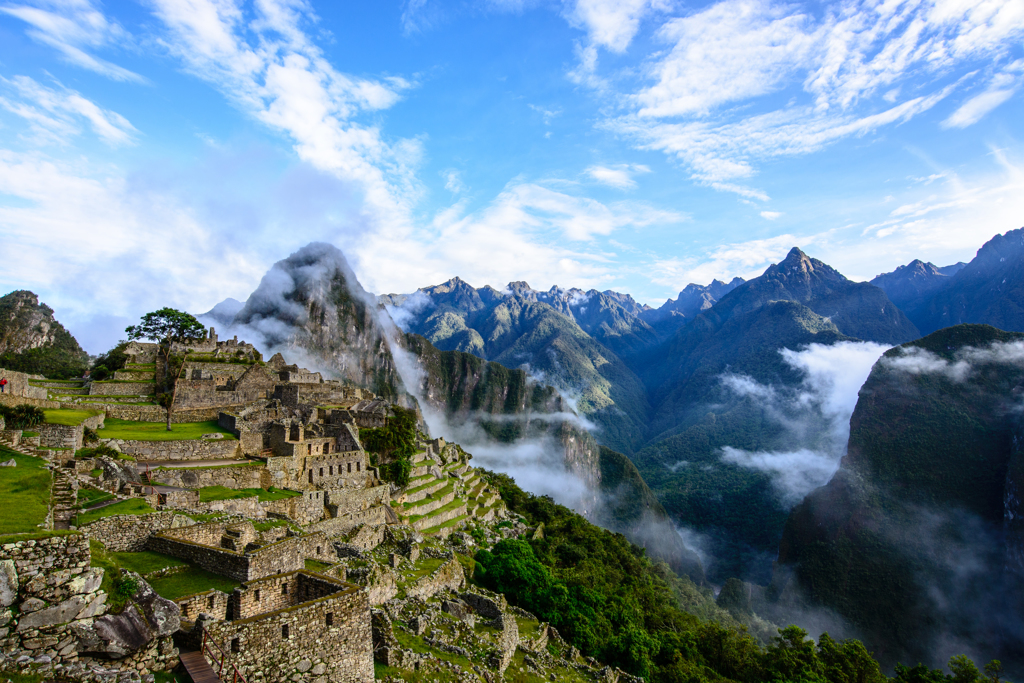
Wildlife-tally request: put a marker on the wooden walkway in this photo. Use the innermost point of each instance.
(198, 668)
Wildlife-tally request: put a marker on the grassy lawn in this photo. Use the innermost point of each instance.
(66, 416)
(132, 506)
(211, 493)
(314, 566)
(24, 492)
(87, 496)
(192, 580)
(157, 431)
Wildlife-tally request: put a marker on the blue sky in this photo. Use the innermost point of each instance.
(167, 152)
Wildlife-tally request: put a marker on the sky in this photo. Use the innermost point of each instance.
(167, 152)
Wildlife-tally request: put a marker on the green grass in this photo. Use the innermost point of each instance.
(192, 580)
(423, 486)
(69, 417)
(133, 506)
(146, 562)
(29, 435)
(25, 492)
(88, 496)
(126, 381)
(13, 677)
(315, 566)
(449, 523)
(157, 431)
(440, 493)
(34, 535)
(211, 493)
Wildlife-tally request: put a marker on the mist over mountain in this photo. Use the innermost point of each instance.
(915, 540)
(312, 308)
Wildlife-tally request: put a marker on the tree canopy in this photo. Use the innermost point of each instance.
(167, 324)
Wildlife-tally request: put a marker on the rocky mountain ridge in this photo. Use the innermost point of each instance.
(32, 341)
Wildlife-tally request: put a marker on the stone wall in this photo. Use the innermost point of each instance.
(449, 576)
(18, 386)
(151, 413)
(201, 545)
(51, 586)
(118, 388)
(343, 524)
(280, 644)
(253, 383)
(240, 477)
(435, 520)
(60, 436)
(186, 449)
(305, 509)
(212, 602)
(128, 533)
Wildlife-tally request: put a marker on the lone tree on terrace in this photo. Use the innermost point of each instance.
(165, 327)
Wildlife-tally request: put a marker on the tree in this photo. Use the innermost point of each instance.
(165, 327)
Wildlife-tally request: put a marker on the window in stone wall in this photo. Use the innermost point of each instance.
(330, 619)
(311, 476)
(284, 631)
(309, 449)
(350, 468)
(318, 551)
(209, 602)
(236, 645)
(327, 448)
(284, 589)
(357, 467)
(256, 595)
(321, 471)
(330, 470)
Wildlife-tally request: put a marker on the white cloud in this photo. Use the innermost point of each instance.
(731, 51)
(153, 249)
(826, 398)
(742, 259)
(453, 181)
(1002, 87)
(52, 113)
(619, 176)
(704, 99)
(770, 215)
(72, 27)
(270, 68)
(610, 24)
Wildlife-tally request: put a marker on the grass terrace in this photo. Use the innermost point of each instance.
(68, 416)
(25, 492)
(157, 431)
(192, 580)
(132, 506)
(212, 493)
(89, 496)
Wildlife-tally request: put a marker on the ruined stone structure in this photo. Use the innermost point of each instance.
(231, 348)
(295, 627)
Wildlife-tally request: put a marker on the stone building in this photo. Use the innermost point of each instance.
(295, 627)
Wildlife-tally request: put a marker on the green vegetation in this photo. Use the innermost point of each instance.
(89, 496)
(211, 493)
(22, 416)
(192, 580)
(25, 492)
(315, 566)
(605, 597)
(393, 445)
(59, 358)
(132, 506)
(69, 417)
(157, 431)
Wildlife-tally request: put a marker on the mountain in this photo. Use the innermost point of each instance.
(32, 341)
(913, 541)
(311, 305)
(224, 313)
(548, 332)
(511, 407)
(312, 308)
(691, 301)
(661, 401)
(988, 290)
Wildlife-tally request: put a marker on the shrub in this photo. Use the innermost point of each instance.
(22, 416)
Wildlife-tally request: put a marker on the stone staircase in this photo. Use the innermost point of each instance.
(63, 498)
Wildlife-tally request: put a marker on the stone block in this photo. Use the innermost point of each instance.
(52, 616)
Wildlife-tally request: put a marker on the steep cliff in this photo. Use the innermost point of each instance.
(908, 541)
(311, 306)
(32, 341)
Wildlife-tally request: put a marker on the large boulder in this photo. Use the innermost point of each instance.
(147, 617)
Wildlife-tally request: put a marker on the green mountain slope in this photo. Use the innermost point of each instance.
(906, 542)
(32, 341)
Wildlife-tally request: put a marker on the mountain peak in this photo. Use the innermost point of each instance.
(798, 261)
